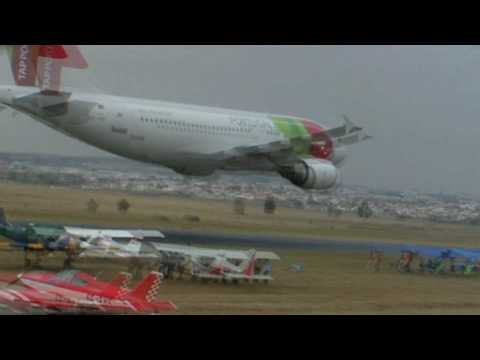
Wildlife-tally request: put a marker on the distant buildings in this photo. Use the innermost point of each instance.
(115, 174)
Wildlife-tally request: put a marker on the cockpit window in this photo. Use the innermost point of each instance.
(79, 282)
(66, 276)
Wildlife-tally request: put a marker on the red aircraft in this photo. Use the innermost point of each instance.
(78, 292)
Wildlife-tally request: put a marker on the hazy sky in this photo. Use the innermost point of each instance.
(421, 103)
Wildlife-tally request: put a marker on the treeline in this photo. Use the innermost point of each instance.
(45, 178)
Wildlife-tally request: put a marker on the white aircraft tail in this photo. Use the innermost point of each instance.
(249, 265)
(134, 247)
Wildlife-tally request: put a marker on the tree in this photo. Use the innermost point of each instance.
(270, 205)
(123, 206)
(332, 211)
(239, 206)
(364, 210)
(475, 221)
(92, 206)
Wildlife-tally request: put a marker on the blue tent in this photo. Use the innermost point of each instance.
(469, 254)
(433, 251)
(428, 251)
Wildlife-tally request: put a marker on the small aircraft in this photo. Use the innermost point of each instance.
(105, 247)
(222, 269)
(77, 292)
(41, 239)
(218, 265)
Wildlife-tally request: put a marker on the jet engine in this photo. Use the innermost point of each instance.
(311, 174)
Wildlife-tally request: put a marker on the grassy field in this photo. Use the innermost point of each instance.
(59, 205)
(333, 282)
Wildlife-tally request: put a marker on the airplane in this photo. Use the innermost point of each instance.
(191, 140)
(36, 239)
(105, 247)
(222, 269)
(210, 264)
(77, 292)
(41, 239)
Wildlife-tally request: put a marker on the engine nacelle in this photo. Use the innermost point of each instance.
(311, 174)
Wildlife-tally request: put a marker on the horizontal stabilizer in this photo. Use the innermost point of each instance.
(347, 128)
(39, 101)
(348, 133)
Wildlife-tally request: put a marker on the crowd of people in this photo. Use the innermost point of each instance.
(430, 260)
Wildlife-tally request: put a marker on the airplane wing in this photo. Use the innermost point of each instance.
(287, 150)
(199, 252)
(348, 133)
(116, 254)
(27, 300)
(113, 233)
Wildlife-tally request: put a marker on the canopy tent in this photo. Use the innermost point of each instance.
(432, 251)
(428, 251)
(469, 254)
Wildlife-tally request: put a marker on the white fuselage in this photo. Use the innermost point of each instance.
(186, 138)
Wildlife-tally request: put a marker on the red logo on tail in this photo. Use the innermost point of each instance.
(41, 65)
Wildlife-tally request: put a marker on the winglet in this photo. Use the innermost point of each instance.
(350, 126)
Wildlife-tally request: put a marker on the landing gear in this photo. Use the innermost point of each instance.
(67, 264)
(27, 263)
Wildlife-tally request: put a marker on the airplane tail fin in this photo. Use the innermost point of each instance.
(148, 289)
(41, 65)
(250, 264)
(134, 246)
(122, 281)
(3, 217)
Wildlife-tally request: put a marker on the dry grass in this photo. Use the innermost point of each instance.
(333, 283)
(60, 205)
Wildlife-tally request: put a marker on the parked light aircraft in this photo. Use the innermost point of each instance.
(191, 140)
(74, 291)
(41, 239)
(105, 247)
(210, 264)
